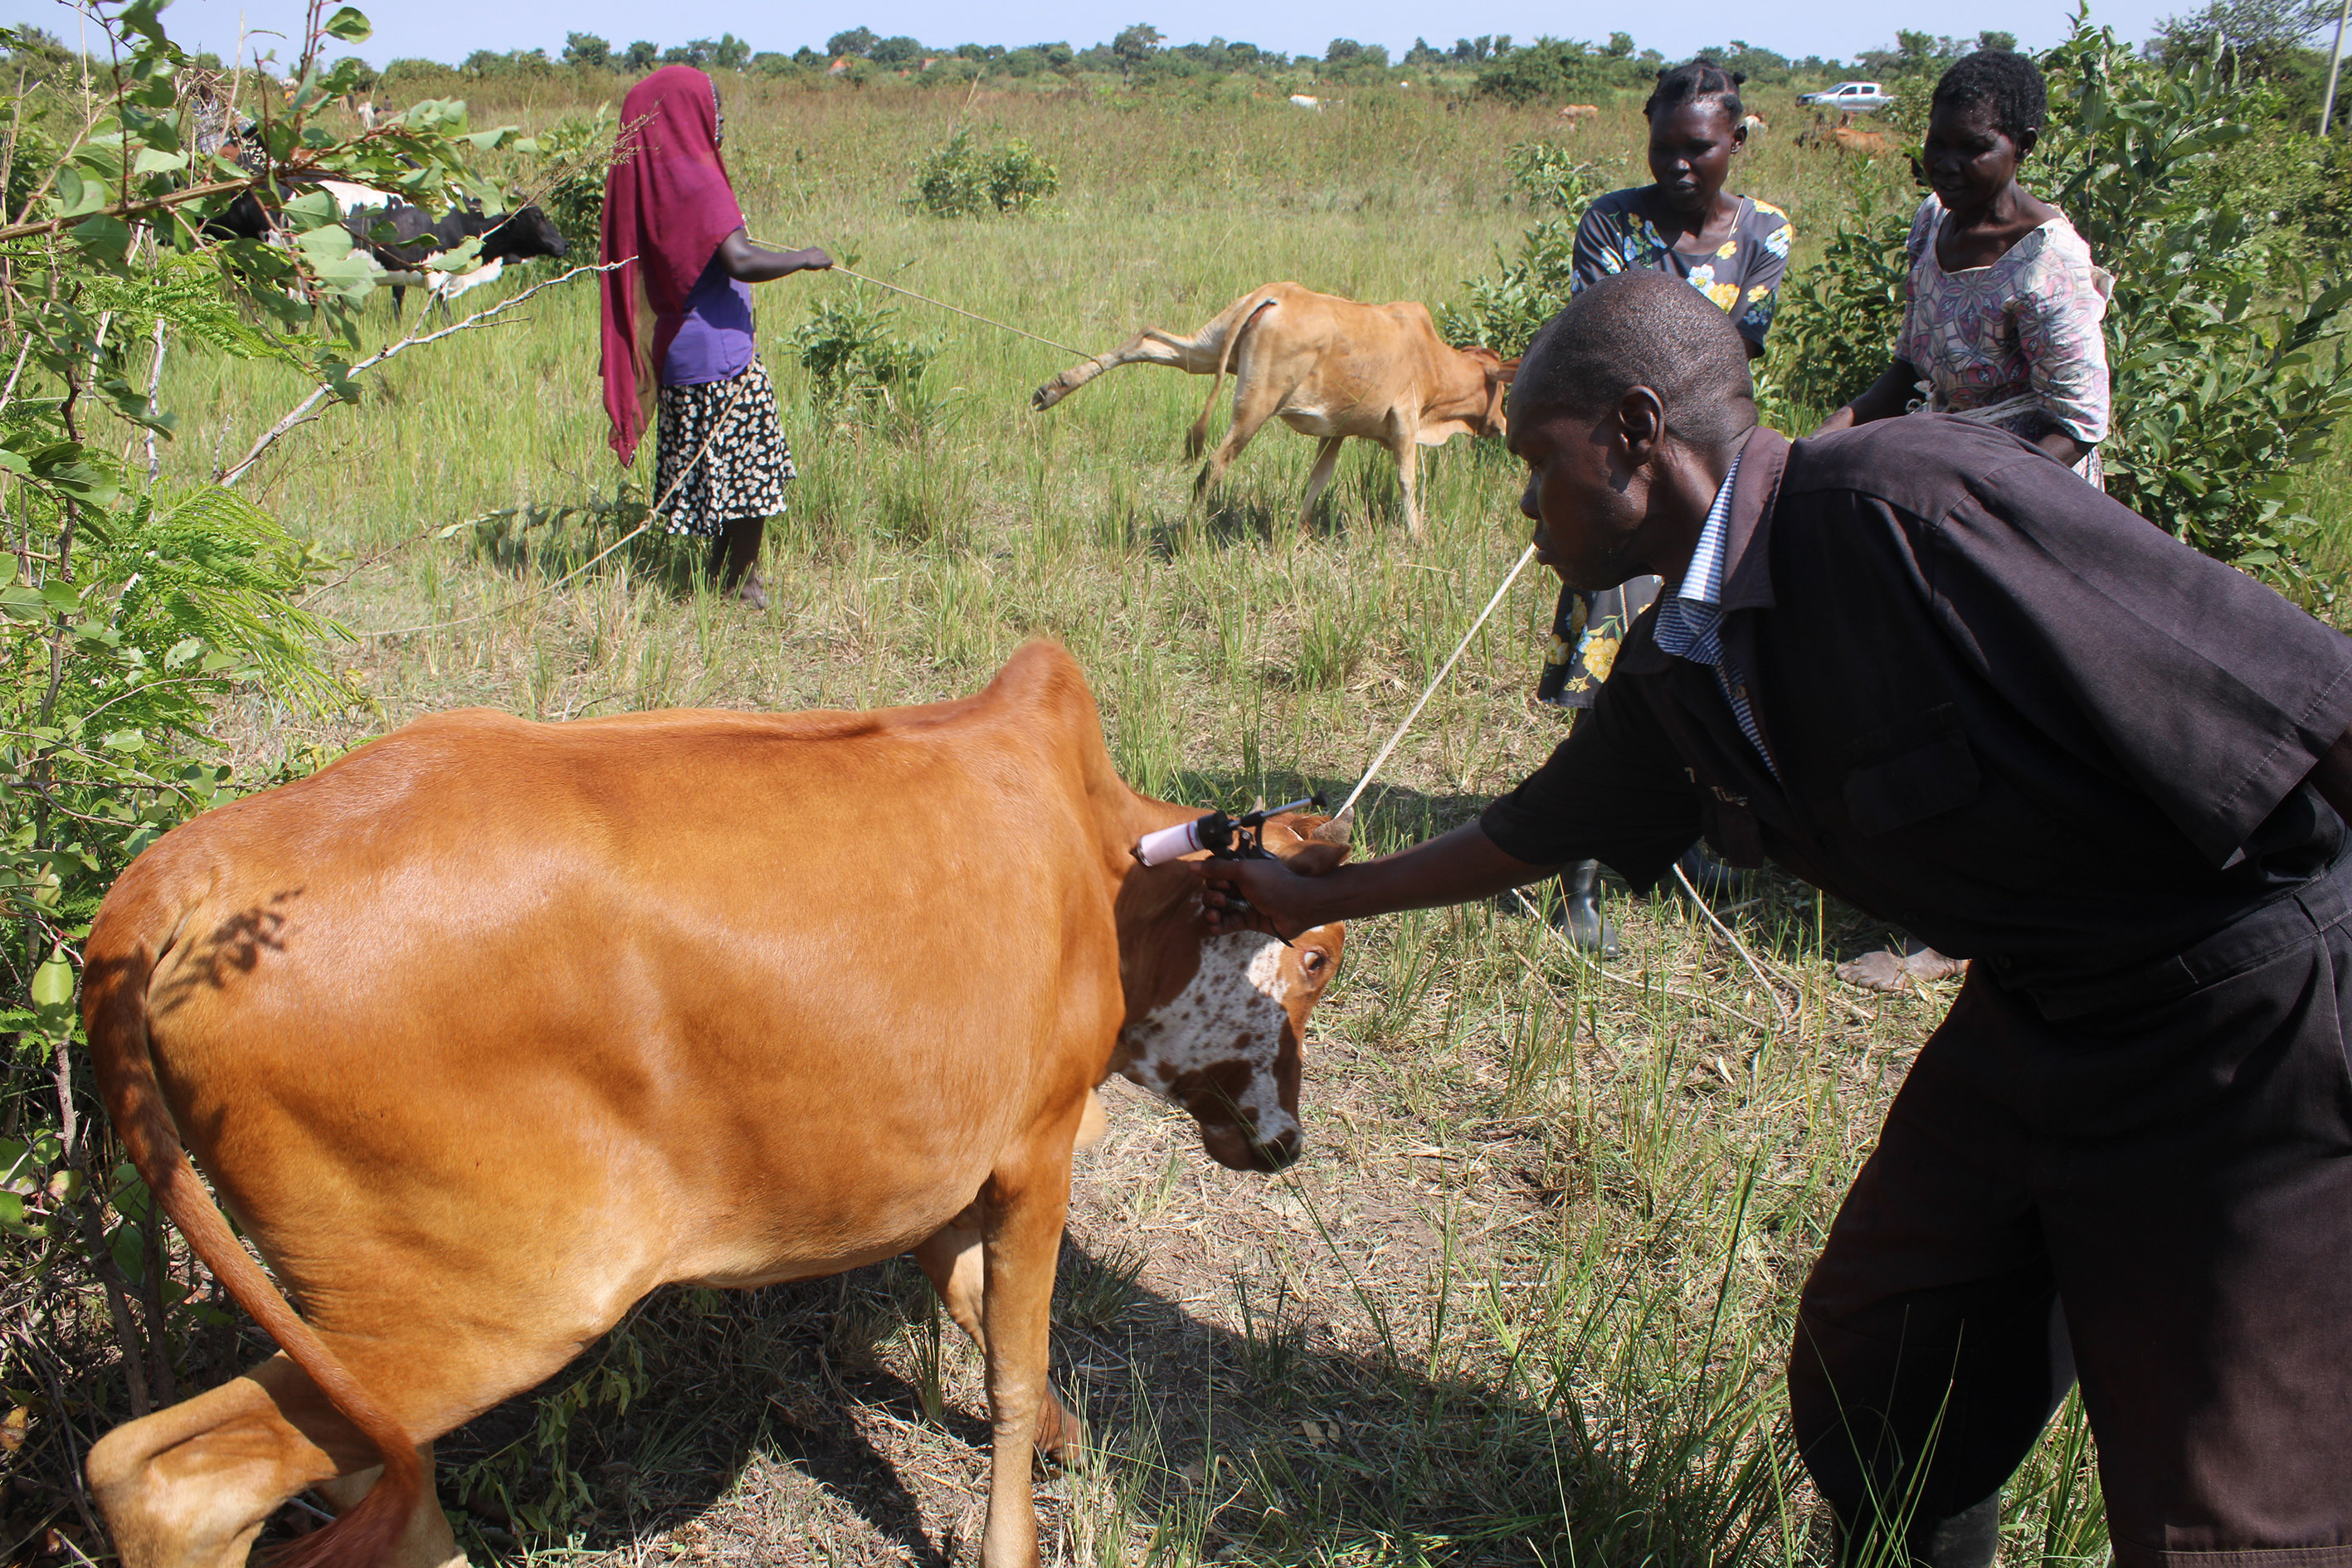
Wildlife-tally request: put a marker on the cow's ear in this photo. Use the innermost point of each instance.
(1321, 846)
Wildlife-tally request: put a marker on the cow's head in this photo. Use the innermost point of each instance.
(1214, 1020)
(1471, 401)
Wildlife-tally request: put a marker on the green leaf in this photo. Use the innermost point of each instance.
(313, 212)
(154, 161)
(106, 236)
(350, 25)
(53, 982)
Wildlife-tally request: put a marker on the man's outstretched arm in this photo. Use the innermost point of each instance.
(1455, 867)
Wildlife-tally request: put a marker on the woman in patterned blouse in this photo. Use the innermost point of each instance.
(2003, 322)
(2002, 325)
(1731, 249)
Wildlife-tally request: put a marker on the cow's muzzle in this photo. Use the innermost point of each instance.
(1237, 1148)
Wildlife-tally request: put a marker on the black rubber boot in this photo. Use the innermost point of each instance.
(1970, 1538)
(1711, 877)
(1579, 887)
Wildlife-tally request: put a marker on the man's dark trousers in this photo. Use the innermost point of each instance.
(2156, 1167)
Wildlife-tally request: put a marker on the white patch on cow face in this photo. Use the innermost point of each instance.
(1231, 1013)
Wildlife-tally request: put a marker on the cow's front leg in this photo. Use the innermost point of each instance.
(952, 1261)
(1023, 1208)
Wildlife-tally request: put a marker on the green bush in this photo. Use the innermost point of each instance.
(1504, 313)
(961, 180)
(1837, 319)
(862, 368)
(574, 156)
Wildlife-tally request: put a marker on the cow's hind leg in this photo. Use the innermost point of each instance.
(427, 1541)
(1196, 355)
(952, 1261)
(191, 1485)
(1326, 459)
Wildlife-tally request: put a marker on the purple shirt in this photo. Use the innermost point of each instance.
(714, 336)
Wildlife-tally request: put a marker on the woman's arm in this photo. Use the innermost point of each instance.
(1883, 399)
(748, 263)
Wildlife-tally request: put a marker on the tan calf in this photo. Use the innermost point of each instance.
(1326, 367)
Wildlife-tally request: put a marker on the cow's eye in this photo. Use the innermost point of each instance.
(1314, 960)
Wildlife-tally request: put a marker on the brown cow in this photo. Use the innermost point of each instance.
(1862, 143)
(1327, 367)
(491, 1027)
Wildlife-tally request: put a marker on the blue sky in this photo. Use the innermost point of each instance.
(1796, 27)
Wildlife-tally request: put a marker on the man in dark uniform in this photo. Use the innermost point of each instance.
(1926, 668)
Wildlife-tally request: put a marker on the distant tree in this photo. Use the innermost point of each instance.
(1342, 52)
(1619, 46)
(1134, 46)
(586, 49)
(1502, 45)
(1991, 39)
(901, 50)
(1421, 54)
(805, 55)
(730, 53)
(2263, 34)
(858, 42)
(641, 56)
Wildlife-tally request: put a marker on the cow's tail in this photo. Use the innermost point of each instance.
(1197, 440)
(114, 1009)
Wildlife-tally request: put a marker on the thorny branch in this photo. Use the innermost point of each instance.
(479, 319)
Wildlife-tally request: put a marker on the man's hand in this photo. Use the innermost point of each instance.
(1260, 895)
(1265, 895)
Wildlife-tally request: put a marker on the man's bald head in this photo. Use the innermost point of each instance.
(1641, 328)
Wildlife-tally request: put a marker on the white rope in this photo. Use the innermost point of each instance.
(1447, 669)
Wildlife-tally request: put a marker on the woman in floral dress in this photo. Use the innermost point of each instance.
(1732, 248)
(2002, 325)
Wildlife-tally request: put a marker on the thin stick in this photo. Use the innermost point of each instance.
(1447, 669)
(1738, 946)
(479, 318)
(651, 512)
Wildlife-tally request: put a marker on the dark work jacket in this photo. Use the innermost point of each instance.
(2007, 712)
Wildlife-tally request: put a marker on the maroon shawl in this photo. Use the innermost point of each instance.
(668, 205)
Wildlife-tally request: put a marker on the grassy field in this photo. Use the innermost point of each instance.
(1527, 1295)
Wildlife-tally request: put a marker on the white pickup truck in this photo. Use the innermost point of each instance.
(1850, 97)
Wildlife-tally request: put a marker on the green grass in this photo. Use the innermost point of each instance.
(1528, 1294)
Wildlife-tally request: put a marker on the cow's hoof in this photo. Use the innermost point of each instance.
(751, 592)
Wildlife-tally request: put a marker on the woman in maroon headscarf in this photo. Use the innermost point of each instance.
(678, 350)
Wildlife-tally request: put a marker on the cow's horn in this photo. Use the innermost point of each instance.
(1339, 830)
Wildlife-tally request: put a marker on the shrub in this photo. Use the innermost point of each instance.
(1505, 311)
(574, 155)
(1835, 328)
(959, 180)
(862, 368)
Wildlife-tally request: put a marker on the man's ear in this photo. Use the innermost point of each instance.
(1314, 844)
(1641, 424)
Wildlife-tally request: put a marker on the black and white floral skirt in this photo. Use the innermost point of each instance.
(722, 454)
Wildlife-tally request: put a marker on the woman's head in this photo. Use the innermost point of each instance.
(1694, 116)
(1985, 118)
